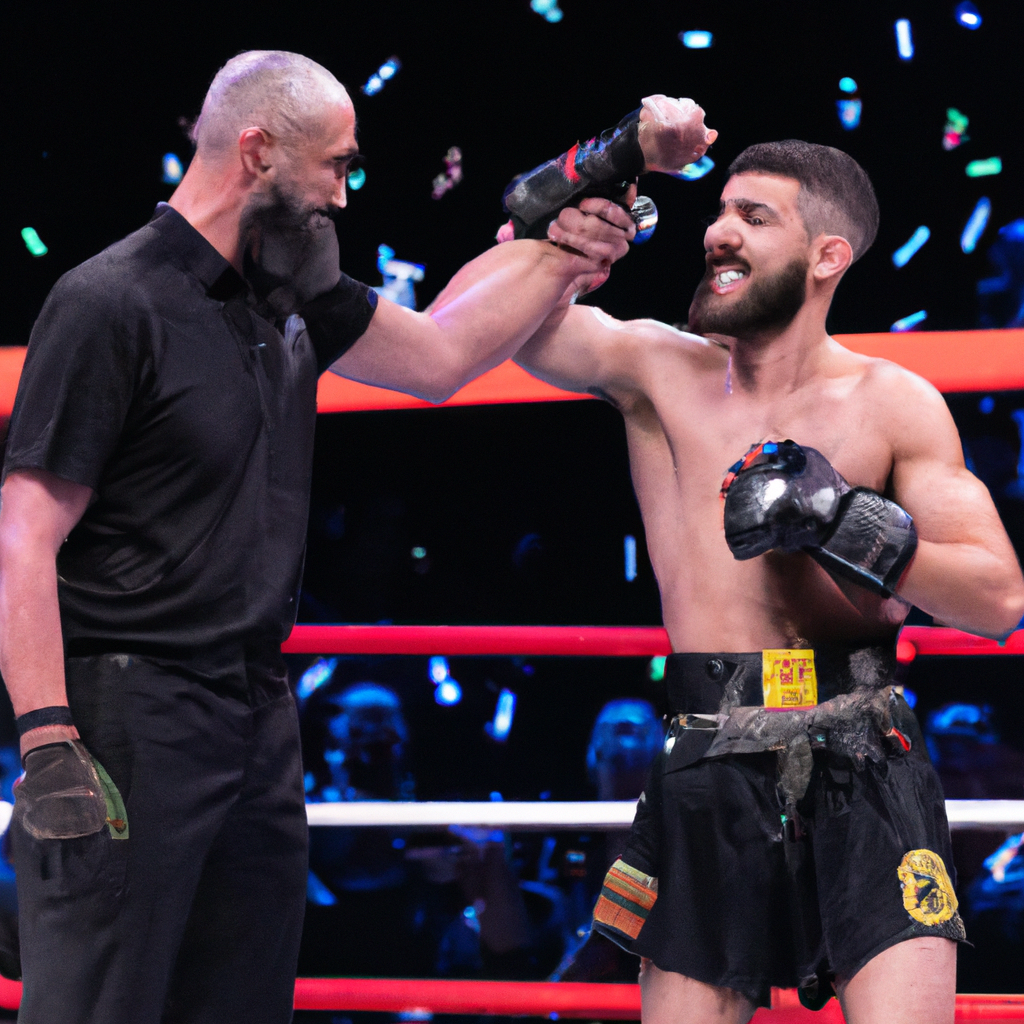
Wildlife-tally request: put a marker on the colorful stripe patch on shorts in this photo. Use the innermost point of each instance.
(625, 901)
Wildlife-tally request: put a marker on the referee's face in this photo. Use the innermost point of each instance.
(314, 175)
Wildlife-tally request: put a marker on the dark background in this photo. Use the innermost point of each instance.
(523, 510)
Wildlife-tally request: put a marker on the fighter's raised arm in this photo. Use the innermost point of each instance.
(582, 348)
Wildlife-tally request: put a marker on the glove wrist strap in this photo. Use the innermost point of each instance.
(872, 542)
(605, 166)
(56, 714)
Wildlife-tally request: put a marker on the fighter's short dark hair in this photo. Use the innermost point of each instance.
(836, 196)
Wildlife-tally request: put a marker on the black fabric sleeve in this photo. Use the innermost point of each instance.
(76, 386)
(337, 319)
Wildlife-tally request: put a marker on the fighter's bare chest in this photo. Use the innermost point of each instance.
(704, 436)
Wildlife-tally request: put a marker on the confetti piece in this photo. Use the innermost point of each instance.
(399, 277)
(172, 168)
(976, 224)
(908, 323)
(548, 9)
(691, 172)
(983, 168)
(955, 131)
(385, 72)
(967, 14)
(33, 242)
(901, 257)
(696, 39)
(849, 113)
(904, 40)
(847, 85)
(452, 174)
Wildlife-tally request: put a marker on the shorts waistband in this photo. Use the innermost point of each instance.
(713, 683)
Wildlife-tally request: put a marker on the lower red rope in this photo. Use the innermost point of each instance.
(589, 641)
(544, 999)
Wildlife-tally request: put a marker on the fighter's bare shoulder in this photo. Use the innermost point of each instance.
(907, 408)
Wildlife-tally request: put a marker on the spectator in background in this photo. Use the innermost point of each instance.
(627, 735)
(993, 910)
(386, 903)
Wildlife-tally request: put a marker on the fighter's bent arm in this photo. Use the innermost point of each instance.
(488, 309)
(965, 572)
(37, 512)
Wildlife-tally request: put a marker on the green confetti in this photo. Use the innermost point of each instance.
(33, 242)
(982, 168)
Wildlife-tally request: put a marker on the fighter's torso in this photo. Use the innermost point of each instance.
(682, 439)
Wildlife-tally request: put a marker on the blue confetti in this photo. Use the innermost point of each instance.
(385, 72)
(691, 172)
(901, 257)
(967, 14)
(849, 113)
(904, 39)
(696, 39)
(976, 224)
(630, 551)
(908, 323)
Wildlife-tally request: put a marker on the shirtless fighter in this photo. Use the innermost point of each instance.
(793, 830)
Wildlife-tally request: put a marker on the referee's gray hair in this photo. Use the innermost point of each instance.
(283, 93)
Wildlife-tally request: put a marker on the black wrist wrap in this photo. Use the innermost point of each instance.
(871, 543)
(56, 714)
(339, 317)
(605, 166)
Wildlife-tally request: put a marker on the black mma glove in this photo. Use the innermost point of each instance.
(781, 496)
(61, 796)
(605, 167)
(288, 264)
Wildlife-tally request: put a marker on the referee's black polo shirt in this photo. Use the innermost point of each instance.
(149, 380)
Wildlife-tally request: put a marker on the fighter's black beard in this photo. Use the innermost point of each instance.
(770, 304)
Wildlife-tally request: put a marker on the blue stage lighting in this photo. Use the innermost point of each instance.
(987, 404)
(356, 179)
(901, 257)
(847, 85)
(976, 224)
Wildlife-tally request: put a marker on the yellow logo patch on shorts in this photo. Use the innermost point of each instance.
(789, 679)
(928, 895)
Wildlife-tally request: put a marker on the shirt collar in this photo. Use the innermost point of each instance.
(195, 254)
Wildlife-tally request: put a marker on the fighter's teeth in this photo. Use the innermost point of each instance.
(728, 276)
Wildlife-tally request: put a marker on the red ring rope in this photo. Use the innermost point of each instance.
(582, 641)
(951, 360)
(543, 999)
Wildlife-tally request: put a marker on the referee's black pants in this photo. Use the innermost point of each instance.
(197, 915)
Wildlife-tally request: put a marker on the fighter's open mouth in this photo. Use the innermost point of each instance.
(727, 280)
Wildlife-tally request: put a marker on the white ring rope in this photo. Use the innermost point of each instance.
(992, 815)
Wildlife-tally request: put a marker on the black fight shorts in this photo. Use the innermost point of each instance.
(707, 887)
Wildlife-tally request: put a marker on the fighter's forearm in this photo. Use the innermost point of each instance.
(31, 645)
(481, 318)
(967, 586)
